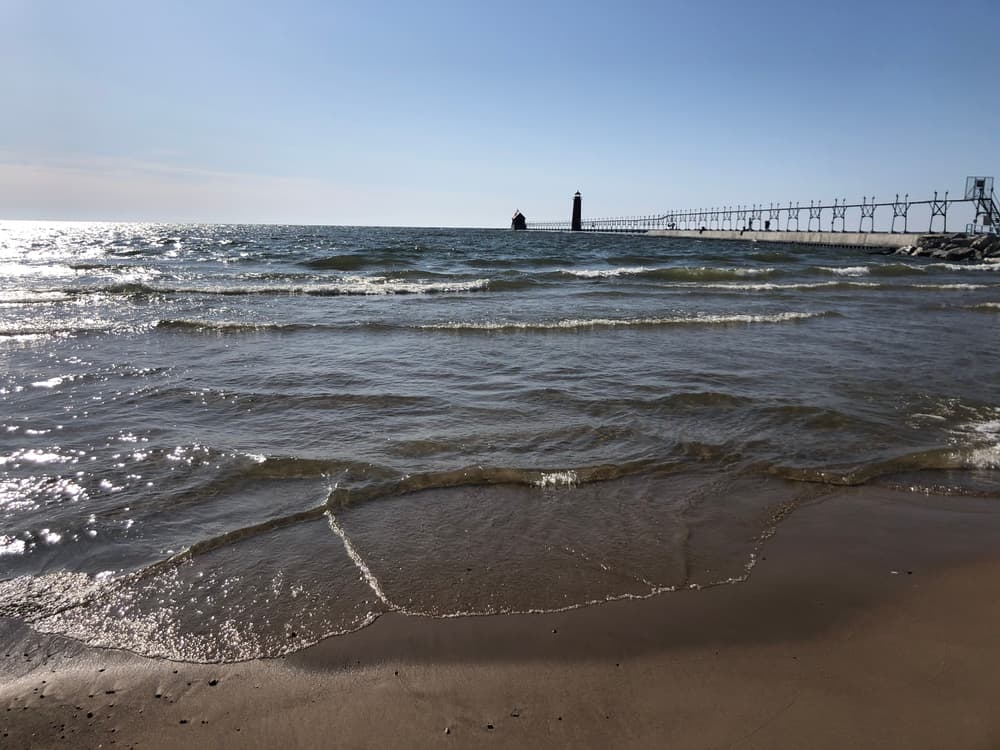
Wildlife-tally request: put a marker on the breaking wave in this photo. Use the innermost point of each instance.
(792, 286)
(966, 266)
(678, 273)
(585, 323)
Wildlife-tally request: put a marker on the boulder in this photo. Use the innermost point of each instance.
(991, 249)
(956, 246)
(959, 253)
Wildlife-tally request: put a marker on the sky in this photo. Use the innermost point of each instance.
(455, 113)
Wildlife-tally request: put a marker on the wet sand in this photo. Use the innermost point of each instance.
(870, 621)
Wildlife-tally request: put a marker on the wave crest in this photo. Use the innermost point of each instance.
(671, 273)
(585, 323)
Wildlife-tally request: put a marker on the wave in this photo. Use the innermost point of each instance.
(353, 483)
(30, 297)
(23, 337)
(42, 600)
(674, 402)
(195, 325)
(373, 286)
(775, 287)
(513, 284)
(878, 269)
(713, 273)
(604, 273)
(228, 326)
(110, 267)
(35, 270)
(200, 325)
(132, 252)
(944, 287)
(577, 324)
(339, 262)
(846, 270)
(670, 273)
(28, 333)
(128, 289)
(834, 285)
(381, 484)
(980, 441)
(966, 266)
(961, 458)
(985, 306)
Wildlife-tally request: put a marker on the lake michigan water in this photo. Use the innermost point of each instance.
(224, 442)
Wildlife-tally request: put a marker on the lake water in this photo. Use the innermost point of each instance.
(223, 442)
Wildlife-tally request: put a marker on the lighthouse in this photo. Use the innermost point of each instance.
(576, 224)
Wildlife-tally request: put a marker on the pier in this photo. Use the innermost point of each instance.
(815, 223)
(891, 240)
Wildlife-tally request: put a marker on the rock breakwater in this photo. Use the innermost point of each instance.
(954, 247)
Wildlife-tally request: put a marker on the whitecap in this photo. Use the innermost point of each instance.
(966, 266)
(11, 545)
(50, 537)
(557, 479)
(691, 271)
(580, 323)
(50, 383)
(962, 287)
(371, 286)
(770, 286)
(847, 270)
(605, 273)
(980, 441)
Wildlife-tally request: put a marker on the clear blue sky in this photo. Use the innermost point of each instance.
(456, 113)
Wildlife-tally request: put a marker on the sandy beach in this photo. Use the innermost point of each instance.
(870, 621)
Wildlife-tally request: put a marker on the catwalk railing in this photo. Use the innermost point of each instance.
(840, 216)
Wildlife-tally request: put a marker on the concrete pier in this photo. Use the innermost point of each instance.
(837, 239)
